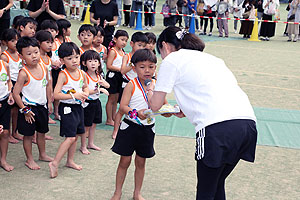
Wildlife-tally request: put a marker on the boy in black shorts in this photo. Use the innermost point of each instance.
(71, 89)
(136, 132)
(36, 94)
(6, 100)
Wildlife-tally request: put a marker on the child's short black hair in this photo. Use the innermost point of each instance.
(48, 23)
(25, 42)
(151, 37)
(99, 29)
(67, 48)
(27, 20)
(139, 37)
(43, 35)
(16, 21)
(10, 34)
(90, 55)
(143, 55)
(87, 27)
(120, 33)
(63, 24)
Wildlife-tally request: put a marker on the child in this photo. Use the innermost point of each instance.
(114, 76)
(90, 63)
(71, 89)
(98, 46)
(6, 99)
(27, 27)
(86, 34)
(46, 40)
(138, 41)
(64, 31)
(151, 41)
(222, 12)
(16, 22)
(135, 132)
(11, 56)
(51, 26)
(36, 92)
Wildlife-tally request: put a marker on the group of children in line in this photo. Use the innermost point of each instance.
(44, 72)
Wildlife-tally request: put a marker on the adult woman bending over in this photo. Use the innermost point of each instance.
(209, 96)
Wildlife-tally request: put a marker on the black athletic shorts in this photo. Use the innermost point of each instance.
(133, 137)
(5, 114)
(226, 142)
(72, 119)
(93, 113)
(55, 73)
(12, 89)
(123, 85)
(115, 81)
(40, 124)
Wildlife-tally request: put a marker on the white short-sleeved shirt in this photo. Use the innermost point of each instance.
(205, 89)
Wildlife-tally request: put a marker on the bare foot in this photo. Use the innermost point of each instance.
(94, 147)
(32, 165)
(109, 123)
(84, 150)
(74, 166)
(53, 170)
(13, 140)
(116, 196)
(51, 121)
(48, 137)
(18, 136)
(46, 158)
(57, 117)
(138, 197)
(6, 166)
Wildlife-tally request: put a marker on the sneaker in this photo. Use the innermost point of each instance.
(117, 25)
(220, 35)
(203, 33)
(76, 17)
(72, 16)
(295, 40)
(263, 38)
(267, 39)
(235, 31)
(210, 34)
(289, 40)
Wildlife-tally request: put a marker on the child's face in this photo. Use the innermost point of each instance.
(151, 45)
(12, 44)
(52, 31)
(28, 30)
(137, 45)
(145, 69)
(31, 55)
(86, 38)
(98, 39)
(92, 65)
(121, 41)
(46, 46)
(72, 61)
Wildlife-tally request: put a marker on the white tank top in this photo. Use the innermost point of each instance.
(34, 91)
(47, 63)
(101, 52)
(118, 58)
(92, 85)
(14, 65)
(55, 47)
(3, 81)
(72, 84)
(138, 101)
(131, 74)
(82, 50)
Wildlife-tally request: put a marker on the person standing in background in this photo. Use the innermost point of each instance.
(136, 6)
(126, 6)
(5, 6)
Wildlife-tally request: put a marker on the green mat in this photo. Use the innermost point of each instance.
(275, 127)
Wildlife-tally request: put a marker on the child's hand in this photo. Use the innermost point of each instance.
(104, 91)
(227, 14)
(0, 105)
(29, 117)
(141, 114)
(56, 64)
(80, 96)
(167, 114)
(180, 114)
(50, 107)
(1, 129)
(10, 100)
(98, 22)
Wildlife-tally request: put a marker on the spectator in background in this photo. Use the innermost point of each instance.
(192, 5)
(153, 16)
(210, 11)
(260, 9)
(185, 11)
(267, 29)
(136, 6)
(171, 20)
(5, 6)
(148, 7)
(237, 12)
(86, 3)
(126, 6)
(119, 3)
(105, 13)
(294, 16)
(179, 8)
(247, 26)
(45, 9)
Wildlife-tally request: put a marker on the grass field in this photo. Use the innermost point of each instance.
(267, 71)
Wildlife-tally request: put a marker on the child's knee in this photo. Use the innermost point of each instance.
(4, 134)
(71, 139)
(125, 162)
(140, 163)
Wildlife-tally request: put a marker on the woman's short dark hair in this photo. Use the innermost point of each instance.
(90, 55)
(143, 55)
(67, 48)
(25, 42)
(187, 41)
(10, 34)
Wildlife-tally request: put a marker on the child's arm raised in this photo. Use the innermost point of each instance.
(124, 67)
(22, 79)
(110, 59)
